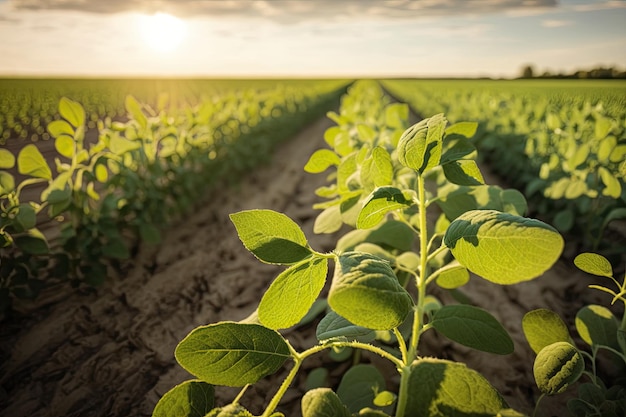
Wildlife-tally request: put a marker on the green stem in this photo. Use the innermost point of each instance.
(401, 343)
(297, 359)
(418, 315)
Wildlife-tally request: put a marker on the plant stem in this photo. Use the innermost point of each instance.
(418, 314)
(297, 359)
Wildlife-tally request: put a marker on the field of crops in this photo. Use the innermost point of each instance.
(115, 243)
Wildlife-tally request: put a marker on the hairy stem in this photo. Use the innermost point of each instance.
(418, 314)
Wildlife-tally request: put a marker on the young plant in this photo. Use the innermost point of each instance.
(368, 301)
(559, 364)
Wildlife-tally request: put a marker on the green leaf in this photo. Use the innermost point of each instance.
(378, 169)
(363, 283)
(115, 248)
(292, 293)
(380, 202)
(457, 148)
(613, 188)
(31, 162)
(26, 216)
(543, 327)
(328, 221)
(7, 160)
(602, 127)
(323, 402)
(557, 366)
(420, 145)
(333, 326)
(7, 183)
(463, 172)
(33, 242)
(120, 145)
(366, 133)
(452, 389)
(72, 111)
(233, 410)
(65, 145)
(385, 399)
(473, 327)
(134, 109)
(359, 386)
(192, 398)
(467, 129)
(149, 233)
(501, 247)
(597, 326)
(321, 160)
(58, 128)
(453, 275)
(595, 264)
(102, 173)
(271, 236)
(232, 354)
(396, 115)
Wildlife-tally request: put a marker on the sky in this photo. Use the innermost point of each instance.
(308, 38)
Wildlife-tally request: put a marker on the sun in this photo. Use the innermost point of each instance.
(162, 32)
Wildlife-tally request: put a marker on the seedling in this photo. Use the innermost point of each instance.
(379, 287)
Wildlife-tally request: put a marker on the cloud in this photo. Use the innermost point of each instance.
(603, 5)
(553, 23)
(293, 11)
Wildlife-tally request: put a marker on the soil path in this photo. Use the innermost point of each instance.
(110, 353)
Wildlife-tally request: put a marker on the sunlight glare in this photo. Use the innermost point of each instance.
(162, 32)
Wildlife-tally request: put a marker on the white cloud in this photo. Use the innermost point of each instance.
(554, 23)
(293, 11)
(606, 5)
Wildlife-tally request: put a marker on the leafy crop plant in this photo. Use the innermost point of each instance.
(378, 299)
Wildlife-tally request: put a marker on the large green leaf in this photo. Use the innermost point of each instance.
(557, 366)
(359, 386)
(597, 326)
(467, 129)
(441, 388)
(31, 162)
(232, 354)
(192, 398)
(292, 293)
(33, 242)
(72, 111)
(473, 327)
(380, 202)
(501, 247)
(323, 402)
(366, 292)
(420, 145)
(271, 236)
(543, 327)
(452, 276)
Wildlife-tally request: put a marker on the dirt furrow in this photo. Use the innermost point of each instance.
(111, 353)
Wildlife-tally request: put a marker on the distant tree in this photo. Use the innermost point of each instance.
(527, 71)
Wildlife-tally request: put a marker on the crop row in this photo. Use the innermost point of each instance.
(27, 106)
(563, 144)
(138, 176)
(386, 179)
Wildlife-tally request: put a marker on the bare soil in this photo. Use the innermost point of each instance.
(110, 352)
